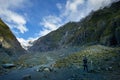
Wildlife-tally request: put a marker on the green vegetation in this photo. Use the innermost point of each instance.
(5, 31)
(101, 56)
(8, 40)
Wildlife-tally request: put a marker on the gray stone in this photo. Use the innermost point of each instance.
(8, 65)
(47, 69)
(41, 69)
(110, 68)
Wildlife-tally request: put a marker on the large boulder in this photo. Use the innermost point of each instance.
(8, 65)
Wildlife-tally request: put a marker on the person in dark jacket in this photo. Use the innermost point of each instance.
(85, 65)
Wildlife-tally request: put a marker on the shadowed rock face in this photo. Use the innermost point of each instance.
(8, 41)
(10, 48)
(100, 27)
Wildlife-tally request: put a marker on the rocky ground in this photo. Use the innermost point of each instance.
(69, 73)
(106, 66)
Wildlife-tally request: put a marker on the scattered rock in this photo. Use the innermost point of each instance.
(40, 69)
(8, 65)
(37, 70)
(110, 68)
(20, 67)
(46, 69)
(26, 77)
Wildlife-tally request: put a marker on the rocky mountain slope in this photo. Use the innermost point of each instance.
(10, 48)
(100, 27)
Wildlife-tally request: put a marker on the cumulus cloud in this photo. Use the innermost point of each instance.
(95, 5)
(44, 32)
(11, 3)
(73, 10)
(50, 23)
(13, 19)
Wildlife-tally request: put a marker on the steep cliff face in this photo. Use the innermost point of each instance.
(8, 42)
(100, 27)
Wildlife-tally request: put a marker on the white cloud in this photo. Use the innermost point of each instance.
(72, 6)
(95, 5)
(50, 23)
(77, 9)
(11, 3)
(13, 19)
(73, 10)
(44, 32)
(59, 6)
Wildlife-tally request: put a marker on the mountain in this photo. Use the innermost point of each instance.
(10, 48)
(100, 27)
(61, 51)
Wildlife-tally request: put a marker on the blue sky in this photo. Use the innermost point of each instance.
(31, 19)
